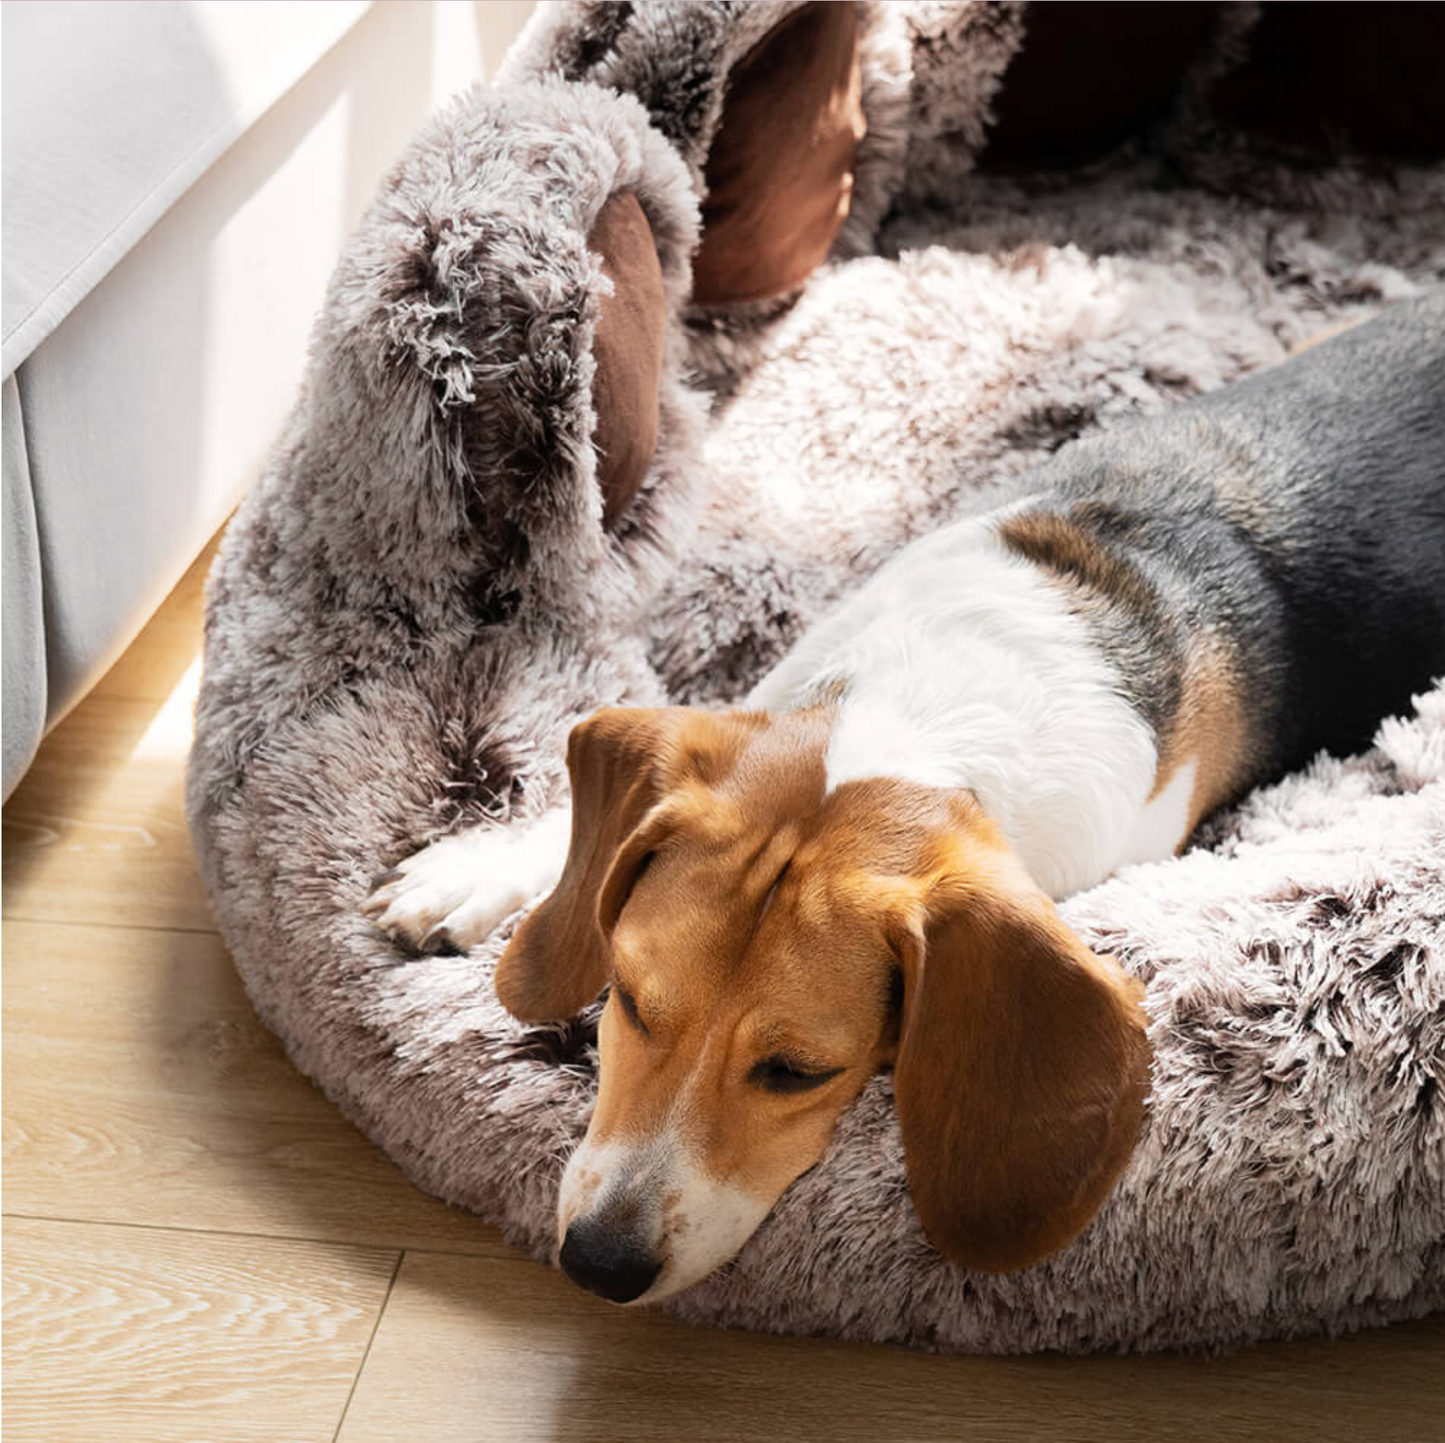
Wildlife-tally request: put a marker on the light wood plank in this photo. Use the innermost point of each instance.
(150, 669)
(533, 1358)
(141, 1088)
(96, 832)
(124, 1333)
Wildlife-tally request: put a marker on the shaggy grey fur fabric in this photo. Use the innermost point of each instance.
(418, 599)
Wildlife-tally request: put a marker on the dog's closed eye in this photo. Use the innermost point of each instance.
(779, 1074)
(628, 1003)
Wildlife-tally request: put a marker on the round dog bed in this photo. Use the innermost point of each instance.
(641, 359)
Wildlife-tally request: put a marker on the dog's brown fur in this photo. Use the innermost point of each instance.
(742, 915)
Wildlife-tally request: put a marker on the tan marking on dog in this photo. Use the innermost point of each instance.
(1210, 730)
(1070, 553)
(1209, 724)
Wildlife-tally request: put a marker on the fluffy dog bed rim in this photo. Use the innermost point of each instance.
(420, 595)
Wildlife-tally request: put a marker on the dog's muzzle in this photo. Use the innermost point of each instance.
(608, 1261)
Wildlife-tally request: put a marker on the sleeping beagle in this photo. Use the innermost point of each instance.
(855, 871)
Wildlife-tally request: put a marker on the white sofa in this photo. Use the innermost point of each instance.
(178, 179)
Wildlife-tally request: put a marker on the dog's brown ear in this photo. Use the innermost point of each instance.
(780, 169)
(1022, 1068)
(621, 761)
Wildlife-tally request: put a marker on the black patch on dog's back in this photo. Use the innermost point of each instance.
(1298, 515)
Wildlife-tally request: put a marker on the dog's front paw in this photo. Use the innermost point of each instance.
(430, 900)
(450, 896)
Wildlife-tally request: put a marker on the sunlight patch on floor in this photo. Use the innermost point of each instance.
(169, 732)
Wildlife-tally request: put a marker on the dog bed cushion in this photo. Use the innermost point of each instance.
(534, 471)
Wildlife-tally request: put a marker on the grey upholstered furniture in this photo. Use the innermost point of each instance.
(178, 180)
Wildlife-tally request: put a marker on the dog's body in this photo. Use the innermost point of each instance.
(856, 871)
(1164, 615)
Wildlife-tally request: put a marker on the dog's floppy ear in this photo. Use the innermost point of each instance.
(621, 762)
(1022, 1068)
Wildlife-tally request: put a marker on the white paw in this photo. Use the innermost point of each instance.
(449, 896)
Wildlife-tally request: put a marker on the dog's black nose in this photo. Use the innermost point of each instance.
(607, 1262)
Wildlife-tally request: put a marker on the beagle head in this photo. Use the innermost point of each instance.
(769, 946)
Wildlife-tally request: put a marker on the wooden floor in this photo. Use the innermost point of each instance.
(198, 1248)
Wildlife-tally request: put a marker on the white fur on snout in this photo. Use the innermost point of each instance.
(656, 1191)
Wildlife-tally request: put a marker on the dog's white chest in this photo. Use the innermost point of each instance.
(963, 666)
(1163, 824)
